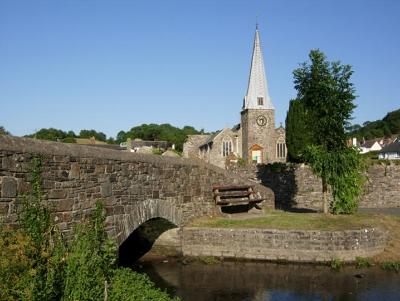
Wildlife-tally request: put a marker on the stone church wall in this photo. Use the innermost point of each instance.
(191, 145)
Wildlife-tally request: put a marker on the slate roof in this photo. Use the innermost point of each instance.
(392, 147)
(210, 138)
(370, 143)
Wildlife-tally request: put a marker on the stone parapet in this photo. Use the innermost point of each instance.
(134, 187)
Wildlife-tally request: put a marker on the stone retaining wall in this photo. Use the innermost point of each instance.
(295, 185)
(283, 245)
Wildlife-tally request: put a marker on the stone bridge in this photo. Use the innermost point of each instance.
(134, 187)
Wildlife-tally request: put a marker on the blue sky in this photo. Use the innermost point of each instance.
(111, 65)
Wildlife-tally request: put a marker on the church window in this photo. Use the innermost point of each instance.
(226, 148)
(260, 101)
(281, 150)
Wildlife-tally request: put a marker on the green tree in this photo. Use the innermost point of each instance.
(163, 132)
(388, 126)
(325, 90)
(54, 135)
(121, 137)
(297, 134)
(3, 131)
(100, 136)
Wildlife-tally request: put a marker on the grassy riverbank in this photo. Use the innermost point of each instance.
(278, 219)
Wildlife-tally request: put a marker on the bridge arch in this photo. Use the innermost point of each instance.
(143, 212)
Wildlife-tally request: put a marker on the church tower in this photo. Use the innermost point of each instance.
(258, 113)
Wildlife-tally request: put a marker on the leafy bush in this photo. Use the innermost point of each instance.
(47, 252)
(16, 266)
(130, 286)
(90, 260)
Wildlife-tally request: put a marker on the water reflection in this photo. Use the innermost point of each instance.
(271, 282)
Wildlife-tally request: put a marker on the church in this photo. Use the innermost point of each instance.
(255, 139)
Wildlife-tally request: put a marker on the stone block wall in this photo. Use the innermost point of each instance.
(134, 187)
(283, 245)
(382, 189)
(295, 185)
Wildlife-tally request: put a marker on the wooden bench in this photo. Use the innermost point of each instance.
(232, 195)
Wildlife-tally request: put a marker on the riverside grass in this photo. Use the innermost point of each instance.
(277, 219)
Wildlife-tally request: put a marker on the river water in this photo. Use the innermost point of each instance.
(261, 281)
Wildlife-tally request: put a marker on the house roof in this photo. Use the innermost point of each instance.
(211, 138)
(370, 143)
(392, 147)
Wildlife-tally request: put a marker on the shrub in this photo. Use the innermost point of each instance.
(127, 285)
(16, 266)
(363, 262)
(90, 260)
(393, 266)
(336, 264)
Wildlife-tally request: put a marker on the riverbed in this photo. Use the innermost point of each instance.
(262, 281)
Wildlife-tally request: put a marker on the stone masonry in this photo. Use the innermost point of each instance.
(253, 133)
(283, 245)
(295, 186)
(134, 187)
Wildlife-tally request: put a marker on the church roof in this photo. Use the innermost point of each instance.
(257, 86)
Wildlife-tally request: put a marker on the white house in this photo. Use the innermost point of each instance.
(370, 146)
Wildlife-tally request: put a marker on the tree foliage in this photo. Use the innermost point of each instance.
(3, 131)
(297, 133)
(100, 136)
(162, 132)
(54, 135)
(388, 126)
(325, 90)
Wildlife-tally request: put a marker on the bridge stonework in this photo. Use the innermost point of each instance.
(133, 187)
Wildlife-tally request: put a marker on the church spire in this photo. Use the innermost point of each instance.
(257, 96)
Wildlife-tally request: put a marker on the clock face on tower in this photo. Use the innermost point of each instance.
(261, 120)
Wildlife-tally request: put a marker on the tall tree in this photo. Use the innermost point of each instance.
(325, 90)
(297, 135)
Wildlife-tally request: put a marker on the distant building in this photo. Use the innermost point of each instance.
(255, 139)
(370, 146)
(366, 146)
(391, 151)
(143, 146)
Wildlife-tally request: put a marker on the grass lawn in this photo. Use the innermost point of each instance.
(277, 219)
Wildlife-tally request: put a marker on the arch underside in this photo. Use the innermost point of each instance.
(144, 211)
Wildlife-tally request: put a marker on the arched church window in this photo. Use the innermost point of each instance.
(281, 149)
(226, 147)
